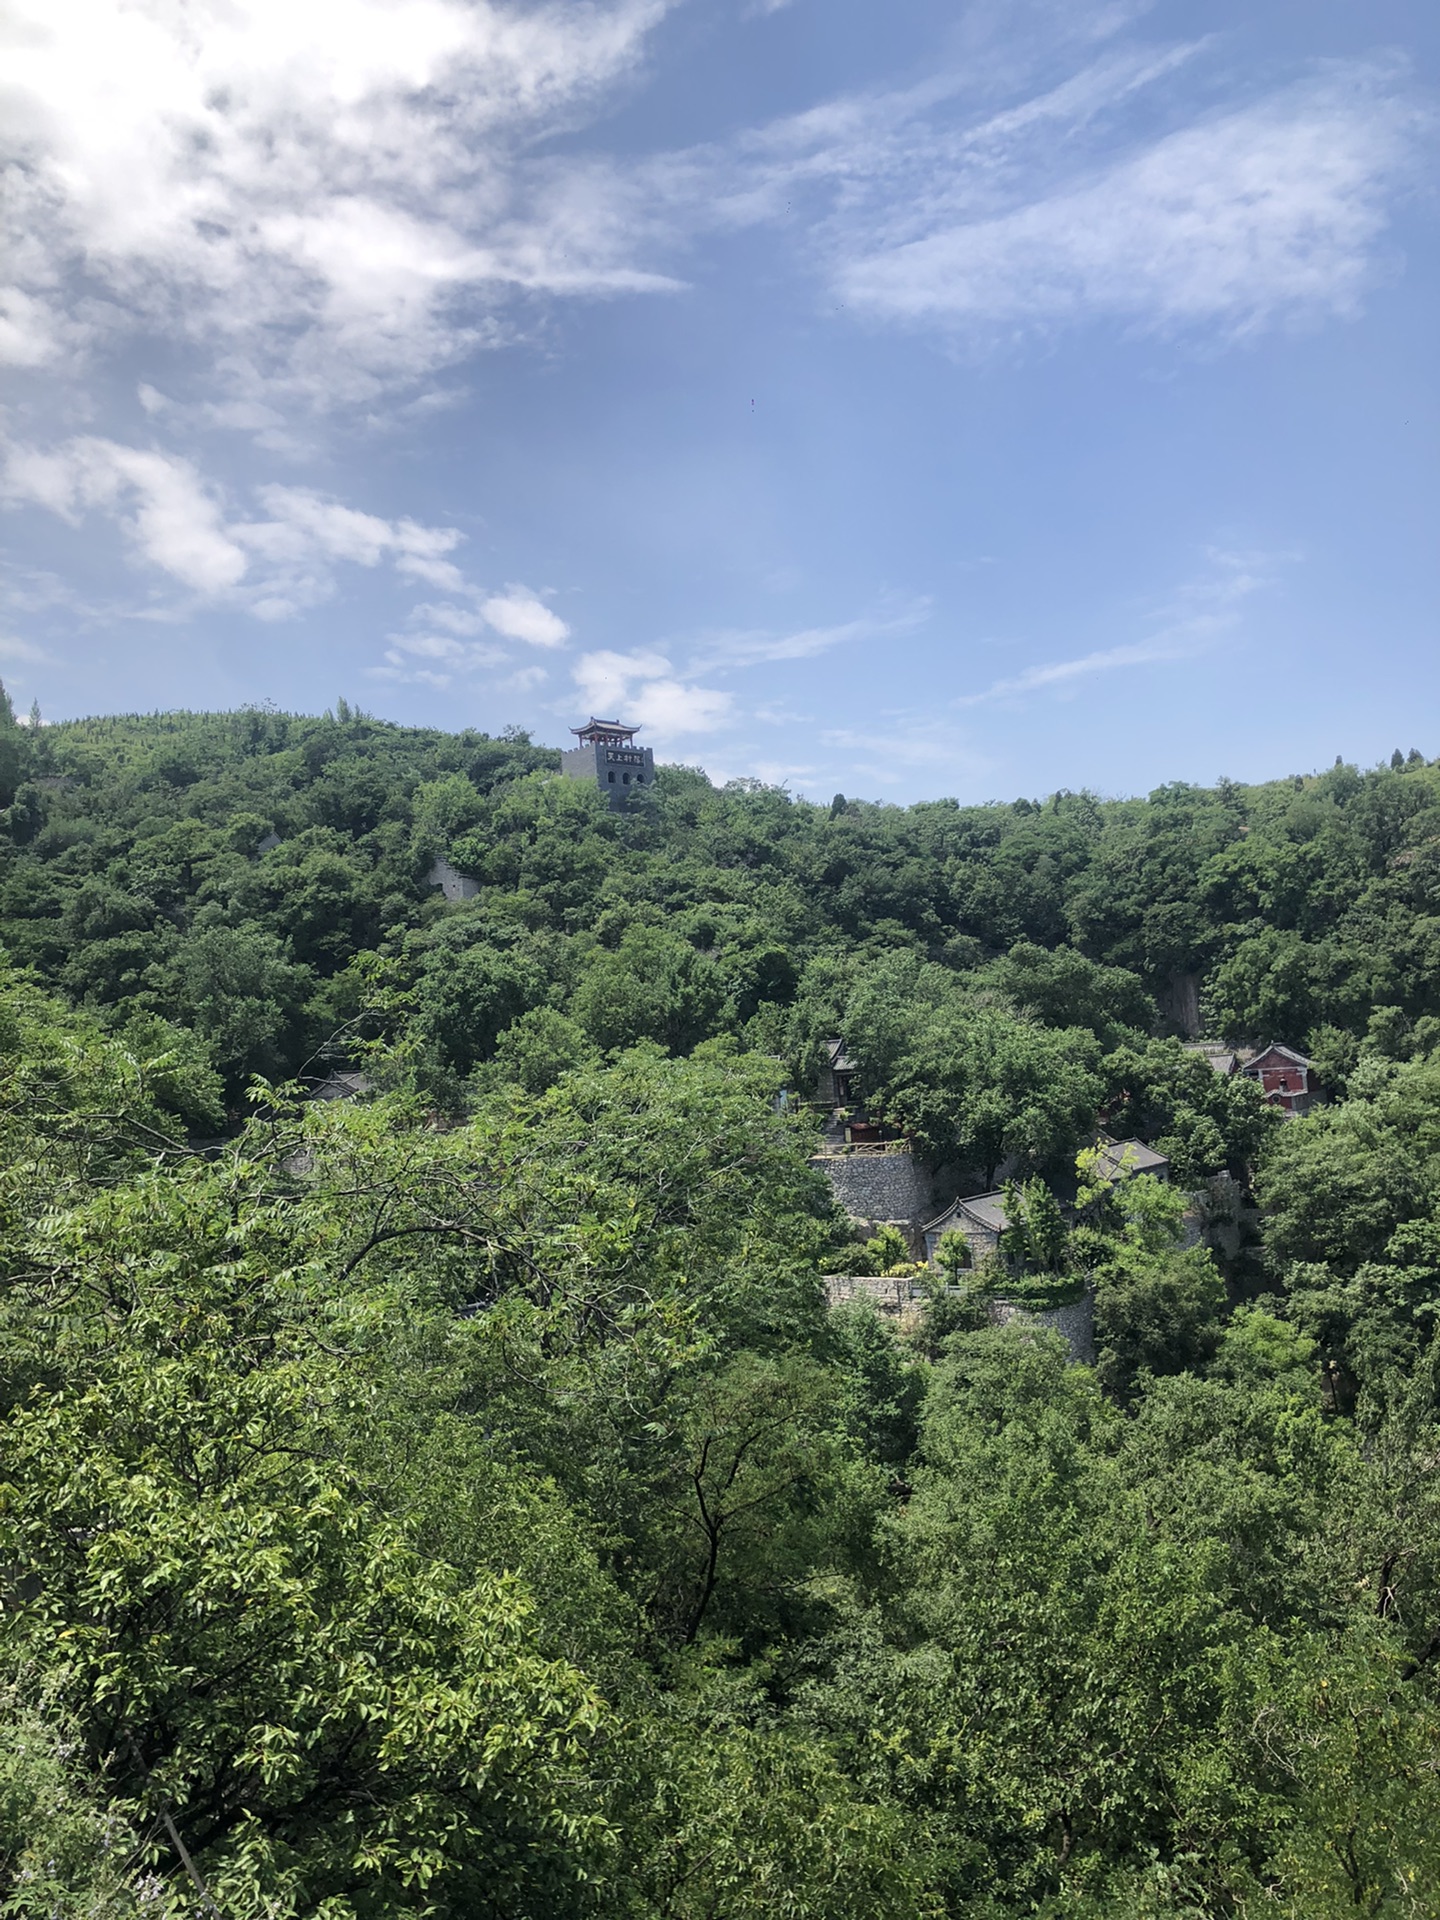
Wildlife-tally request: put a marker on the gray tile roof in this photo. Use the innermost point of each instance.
(985, 1210)
(1121, 1157)
(1222, 1058)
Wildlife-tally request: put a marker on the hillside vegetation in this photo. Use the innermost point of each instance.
(458, 1501)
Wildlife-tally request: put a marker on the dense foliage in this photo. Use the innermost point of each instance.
(459, 1501)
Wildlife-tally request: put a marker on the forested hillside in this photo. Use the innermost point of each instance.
(459, 1500)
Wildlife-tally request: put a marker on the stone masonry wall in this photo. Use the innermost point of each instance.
(1076, 1322)
(903, 1298)
(881, 1188)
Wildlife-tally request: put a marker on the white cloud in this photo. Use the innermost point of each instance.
(306, 527)
(32, 332)
(335, 198)
(170, 517)
(754, 646)
(606, 678)
(1192, 620)
(779, 773)
(440, 646)
(898, 742)
(668, 708)
(521, 615)
(920, 741)
(644, 689)
(327, 187)
(1105, 194)
(175, 521)
(1243, 220)
(453, 619)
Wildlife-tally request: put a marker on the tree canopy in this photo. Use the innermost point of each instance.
(458, 1499)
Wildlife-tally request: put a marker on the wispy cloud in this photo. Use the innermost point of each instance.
(668, 696)
(22, 650)
(1061, 672)
(1112, 193)
(899, 743)
(333, 201)
(1241, 221)
(1198, 615)
(913, 740)
(755, 646)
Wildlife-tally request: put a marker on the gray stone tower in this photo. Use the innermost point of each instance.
(608, 755)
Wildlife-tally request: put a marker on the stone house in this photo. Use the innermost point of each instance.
(981, 1217)
(880, 1187)
(1119, 1159)
(836, 1083)
(342, 1085)
(1225, 1060)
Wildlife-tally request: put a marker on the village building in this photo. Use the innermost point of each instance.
(839, 1094)
(1225, 1060)
(608, 756)
(1285, 1077)
(1120, 1159)
(875, 1177)
(835, 1085)
(981, 1217)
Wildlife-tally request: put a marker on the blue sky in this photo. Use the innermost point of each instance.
(906, 399)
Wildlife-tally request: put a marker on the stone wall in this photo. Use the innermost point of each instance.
(1214, 1217)
(451, 882)
(1075, 1322)
(881, 1189)
(903, 1299)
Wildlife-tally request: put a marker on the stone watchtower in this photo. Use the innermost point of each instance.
(608, 755)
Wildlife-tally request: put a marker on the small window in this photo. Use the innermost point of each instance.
(612, 778)
(627, 779)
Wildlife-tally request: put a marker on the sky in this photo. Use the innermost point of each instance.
(895, 397)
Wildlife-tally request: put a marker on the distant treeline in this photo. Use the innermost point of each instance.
(140, 874)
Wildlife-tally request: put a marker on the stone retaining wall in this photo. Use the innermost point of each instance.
(1075, 1322)
(880, 1189)
(902, 1298)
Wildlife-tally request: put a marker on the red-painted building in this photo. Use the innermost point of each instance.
(1286, 1078)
